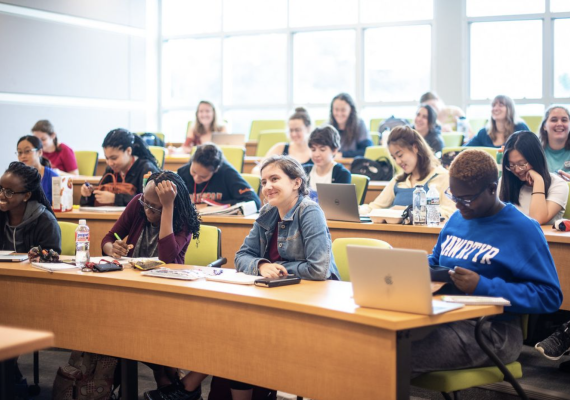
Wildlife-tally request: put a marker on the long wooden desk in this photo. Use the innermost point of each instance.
(235, 229)
(308, 339)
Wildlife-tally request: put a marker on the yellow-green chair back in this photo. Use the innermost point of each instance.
(375, 124)
(452, 139)
(67, 237)
(254, 181)
(235, 156)
(457, 149)
(532, 121)
(159, 153)
(375, 152)
(320, 122)
(87, 162)
(375, 138)
(491, 150)
(262, 125)
(361, 184)
(341, 258)
(476, 124)
(567, 211)
(267, 139)
(205, 250)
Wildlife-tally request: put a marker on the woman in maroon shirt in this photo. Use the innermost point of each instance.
(61, 157)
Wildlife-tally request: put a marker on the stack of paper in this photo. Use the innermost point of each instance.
(52, 267)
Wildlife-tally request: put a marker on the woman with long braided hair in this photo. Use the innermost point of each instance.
(25, 213)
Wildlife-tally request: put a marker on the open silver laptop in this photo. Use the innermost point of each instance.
(339, 203)
(393, 279)
(229, 139)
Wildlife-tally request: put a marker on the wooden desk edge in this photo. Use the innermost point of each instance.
(28, 341)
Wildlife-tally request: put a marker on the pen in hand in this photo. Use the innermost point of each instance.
(130, 246)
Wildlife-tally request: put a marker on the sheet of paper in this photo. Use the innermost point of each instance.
(5, 252)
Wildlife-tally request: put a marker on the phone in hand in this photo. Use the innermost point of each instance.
(563, 176)
(281, 281)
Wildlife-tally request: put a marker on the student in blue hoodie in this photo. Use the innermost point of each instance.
(494, 250)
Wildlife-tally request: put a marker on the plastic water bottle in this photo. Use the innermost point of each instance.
(82, 244)
(432, 202)
(463, 128)
(419, 205)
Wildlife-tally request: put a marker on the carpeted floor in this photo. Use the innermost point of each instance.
(541, 379)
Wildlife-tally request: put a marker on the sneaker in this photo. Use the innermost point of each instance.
(557, 344)
(175, 391)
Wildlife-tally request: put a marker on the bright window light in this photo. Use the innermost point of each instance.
(322, 12)
(247, 15)
(180, 17)
(390, 10)
(482, 8)
(561, 58)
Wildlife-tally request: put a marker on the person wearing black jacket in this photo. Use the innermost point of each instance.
(129, 159)
(209, 176)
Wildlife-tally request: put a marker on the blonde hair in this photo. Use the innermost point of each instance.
(510, 119)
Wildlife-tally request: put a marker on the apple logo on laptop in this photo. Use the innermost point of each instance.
(388, 279)
(336, 202)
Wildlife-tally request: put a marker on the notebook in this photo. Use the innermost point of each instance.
(229, 139)
(339, 202)
(393, 279)
(15, 257)
(52, 267)
(102, 209)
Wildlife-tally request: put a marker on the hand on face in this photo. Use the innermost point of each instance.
(104, 197)
(532, 176)
(465, 279)
(166, 191)
(269, 270)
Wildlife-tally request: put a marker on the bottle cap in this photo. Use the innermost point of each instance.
(82, 222)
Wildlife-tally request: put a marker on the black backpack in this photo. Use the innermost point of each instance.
(151, 139)
(377, 170)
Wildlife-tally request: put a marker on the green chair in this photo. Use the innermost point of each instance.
(67, 237)
(87, 162)
(361, 184)
(375, 152)
(532, 121)
(375, 138)
(320, 122)
(491, 150)
(341, 258)
(477, 123)
(567, 211)
(267, 139)
(205, 250)
(452, 139)
(254, 181)
(262, 125)
(454, 381)
(375, 124)
(159, 153)
(457, 149)
(234, 155)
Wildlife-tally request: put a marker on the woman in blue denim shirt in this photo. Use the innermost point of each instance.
(290, 235)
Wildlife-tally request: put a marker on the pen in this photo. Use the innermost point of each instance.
(117, 236)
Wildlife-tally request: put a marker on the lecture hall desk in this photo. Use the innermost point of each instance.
(235, 229)
(308, 339)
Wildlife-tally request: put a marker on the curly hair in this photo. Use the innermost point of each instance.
(291, 167)
(185, 215)
(474, 166)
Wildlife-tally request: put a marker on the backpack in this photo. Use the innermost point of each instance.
(151, 139)
(87, 376)
(448, 157)
(391, 123)
(377, 170)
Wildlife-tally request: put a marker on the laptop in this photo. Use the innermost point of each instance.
(394, 280)
(15, 257)
(229, 139)
(339, 203)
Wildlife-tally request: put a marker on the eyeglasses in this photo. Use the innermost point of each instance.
(149, 207)
(514, 167)
(8, 193)
(462, 200)
(25, 152)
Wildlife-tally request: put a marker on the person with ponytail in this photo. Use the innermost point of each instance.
(128, 159)
(30, 152)
(61, 156)
(26, 216)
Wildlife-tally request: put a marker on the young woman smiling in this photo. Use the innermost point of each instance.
(354, 137)
(555, 138)
(30, 152)
(61, 156)
(426, 125)
(420, 167)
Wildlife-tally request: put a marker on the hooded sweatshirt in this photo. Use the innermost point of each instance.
(38, 227)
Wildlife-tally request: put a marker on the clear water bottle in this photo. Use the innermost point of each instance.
(82, 244)
(432, 202)
(463, 128)
(419, 205)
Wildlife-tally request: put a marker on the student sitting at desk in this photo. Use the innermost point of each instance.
(426, 125)
(526, 182)
(555, 138)
(30, 152)
(324, 143)
(354, 137)
(61, 156)
(128, 159)
(493, 250)
(420, 167)
(209, 176)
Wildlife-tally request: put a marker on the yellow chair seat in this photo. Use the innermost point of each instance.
(87, 162)
(205, 250)
(341, 257)
(260, 125)
(254, 181)
(267, 139)
(67, 237)
(376, 152)
(375, 124)
(361, 183)
(452, 139)
(159, 153)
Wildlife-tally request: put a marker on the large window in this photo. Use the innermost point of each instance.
(259, 59)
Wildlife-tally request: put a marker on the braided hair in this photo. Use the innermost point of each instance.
(185, 214)
(32, 181)
(122, 139)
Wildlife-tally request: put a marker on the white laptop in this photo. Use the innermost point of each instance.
(393, 279)
(229, 139)
(339, 202)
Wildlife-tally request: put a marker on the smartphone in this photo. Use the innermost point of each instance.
(281, 281)
(563, 176)
(440, 274)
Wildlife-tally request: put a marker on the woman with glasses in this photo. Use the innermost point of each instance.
(128, 159)
(501, 125)
(491, 249)
(555, 138)
(61, 156)
(30, 152)
(419, 167)
(526, 182)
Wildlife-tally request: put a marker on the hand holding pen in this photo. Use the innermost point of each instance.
(120, 247)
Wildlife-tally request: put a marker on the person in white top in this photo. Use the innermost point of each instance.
(526, 181)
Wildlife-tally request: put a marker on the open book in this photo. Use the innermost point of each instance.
(244, 208)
